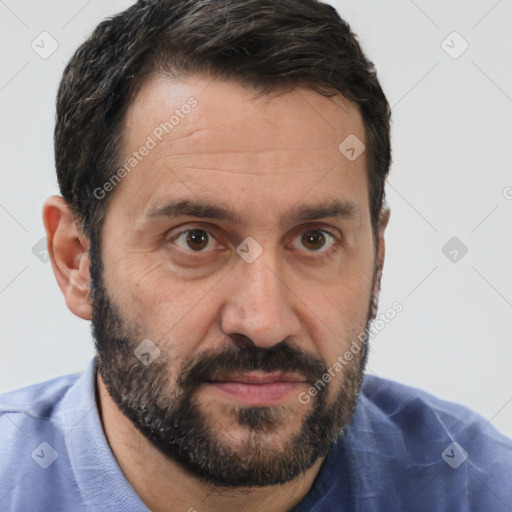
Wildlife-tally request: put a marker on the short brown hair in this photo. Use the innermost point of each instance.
(262, 44)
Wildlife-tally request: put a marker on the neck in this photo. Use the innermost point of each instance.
(164, 486)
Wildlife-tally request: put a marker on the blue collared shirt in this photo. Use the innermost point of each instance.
(404, 450)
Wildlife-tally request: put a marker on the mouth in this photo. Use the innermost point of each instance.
(257, 388)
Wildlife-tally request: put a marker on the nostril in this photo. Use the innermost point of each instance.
(242, 340)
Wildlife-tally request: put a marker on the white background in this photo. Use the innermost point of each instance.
(452, 137)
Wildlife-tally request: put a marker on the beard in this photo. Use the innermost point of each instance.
(165, 408)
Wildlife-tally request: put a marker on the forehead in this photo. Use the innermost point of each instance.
(212, 139)
(238, 118)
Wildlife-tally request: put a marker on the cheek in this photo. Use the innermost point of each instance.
(340, 310)
(174, 314)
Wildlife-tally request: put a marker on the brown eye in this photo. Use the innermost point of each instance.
(316, 240)
(313, 240)
(195, 239)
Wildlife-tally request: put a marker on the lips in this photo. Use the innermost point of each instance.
(257, 388)
(260, 378)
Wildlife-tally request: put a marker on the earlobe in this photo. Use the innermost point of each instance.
(380, 255)
(68, 250)
(385, 213)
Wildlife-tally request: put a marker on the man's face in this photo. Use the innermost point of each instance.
(240, 328)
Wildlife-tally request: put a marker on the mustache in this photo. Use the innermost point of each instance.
(280, 357)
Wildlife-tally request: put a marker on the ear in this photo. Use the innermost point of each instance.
(385, 213)
(68, 251)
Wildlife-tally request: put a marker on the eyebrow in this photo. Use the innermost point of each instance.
(201, 209)
(341, 209)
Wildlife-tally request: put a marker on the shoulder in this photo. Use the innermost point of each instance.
(31, 413)
(405, 405)
(33, 445)
(428, 450)
(37, 400)
(413, 410)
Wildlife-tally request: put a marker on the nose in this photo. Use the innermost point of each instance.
(259, 305)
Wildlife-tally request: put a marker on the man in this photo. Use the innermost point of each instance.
(222, 219)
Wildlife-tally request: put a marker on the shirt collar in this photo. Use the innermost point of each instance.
(97, 473)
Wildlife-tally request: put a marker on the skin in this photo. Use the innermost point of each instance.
(261, 157)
